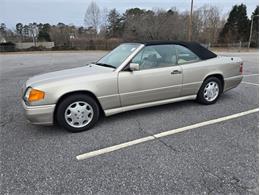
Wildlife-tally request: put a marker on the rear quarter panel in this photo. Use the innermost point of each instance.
(195, 73)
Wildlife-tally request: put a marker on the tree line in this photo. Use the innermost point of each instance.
(104, 29)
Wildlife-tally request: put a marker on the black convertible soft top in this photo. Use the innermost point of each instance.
(195, 47)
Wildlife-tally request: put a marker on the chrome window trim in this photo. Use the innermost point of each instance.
(189, 62)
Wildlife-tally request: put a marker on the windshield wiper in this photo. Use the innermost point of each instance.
(105, 65)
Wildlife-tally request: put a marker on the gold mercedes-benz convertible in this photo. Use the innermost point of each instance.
(132, 76)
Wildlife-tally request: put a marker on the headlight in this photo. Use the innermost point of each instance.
(33, 94)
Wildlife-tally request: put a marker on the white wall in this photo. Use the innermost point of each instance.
(47, 45)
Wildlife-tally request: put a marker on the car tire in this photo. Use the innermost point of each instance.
(78, 112)
(210, 91)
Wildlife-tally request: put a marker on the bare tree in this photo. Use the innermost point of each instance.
(104, 17)
(33, 32)
(93, 16)
(62, 34)
(207, 24)
(103, 23)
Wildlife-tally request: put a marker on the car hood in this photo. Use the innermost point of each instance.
(87, 70)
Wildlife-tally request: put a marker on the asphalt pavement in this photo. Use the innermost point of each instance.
(220, 158)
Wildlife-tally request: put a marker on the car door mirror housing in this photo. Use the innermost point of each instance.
(134, 66)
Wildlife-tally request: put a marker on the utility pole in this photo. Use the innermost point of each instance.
(190, 22)
(251, 30)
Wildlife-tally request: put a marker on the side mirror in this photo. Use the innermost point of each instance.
(134, 66)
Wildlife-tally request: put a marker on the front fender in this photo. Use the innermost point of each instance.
(104, 87)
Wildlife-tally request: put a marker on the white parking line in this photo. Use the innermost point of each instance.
(250, 83)
(163, 134)
(249, 75)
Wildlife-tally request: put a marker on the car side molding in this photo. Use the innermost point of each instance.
(113, 111)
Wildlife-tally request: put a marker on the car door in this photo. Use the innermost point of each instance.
(159, 76)
(193, 70)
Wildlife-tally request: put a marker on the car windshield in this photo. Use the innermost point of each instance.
(118, 55)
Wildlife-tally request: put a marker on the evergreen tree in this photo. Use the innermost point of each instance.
(43, 36)
(2, 28)
(237, 27)
(134, 11)
(19, 28)
(114, 28)
(44, 32)
(255, 31)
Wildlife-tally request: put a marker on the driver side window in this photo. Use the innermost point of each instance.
(156, 56)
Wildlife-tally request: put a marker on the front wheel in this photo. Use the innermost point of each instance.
(77, 113)
(209, 91)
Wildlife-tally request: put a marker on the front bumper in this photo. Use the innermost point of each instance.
(42, 115)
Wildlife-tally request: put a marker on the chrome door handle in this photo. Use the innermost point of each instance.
(176, 72)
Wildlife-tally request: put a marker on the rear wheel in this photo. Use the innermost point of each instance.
(77, 113)
(210, 91)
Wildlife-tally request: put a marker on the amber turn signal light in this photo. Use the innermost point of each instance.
(35, 95)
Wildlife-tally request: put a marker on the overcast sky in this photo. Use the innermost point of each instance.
(72, 11)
